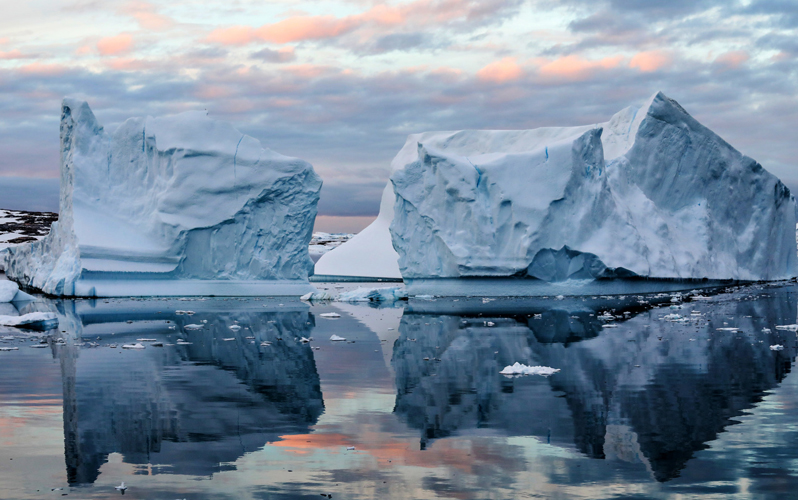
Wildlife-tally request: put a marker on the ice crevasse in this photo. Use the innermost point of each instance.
(650, 193)
(177, 205)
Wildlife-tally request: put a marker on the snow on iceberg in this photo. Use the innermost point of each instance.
(517, 369)
(8, 290)
(34, 320)
(179, 205)
(650, 193)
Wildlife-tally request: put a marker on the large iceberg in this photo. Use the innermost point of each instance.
(650, 193)
(179, 205)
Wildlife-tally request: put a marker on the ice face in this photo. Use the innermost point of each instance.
(651, 193)
(180, 205)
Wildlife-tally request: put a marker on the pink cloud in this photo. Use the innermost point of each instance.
(650, 61)
(43, 69)
(576, 68)
(733, 59)
(234, 35)
(501, 71)
(295, 29)
(11, 54)
(115, 45)
(127, 64)
(147, 16)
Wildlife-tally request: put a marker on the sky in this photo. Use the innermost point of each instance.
(341, 83)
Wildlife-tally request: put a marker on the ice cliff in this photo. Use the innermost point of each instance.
(650, 193)
(179, 205)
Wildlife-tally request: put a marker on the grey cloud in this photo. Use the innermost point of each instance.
(784, 10)
(273, 56)
(36, 195)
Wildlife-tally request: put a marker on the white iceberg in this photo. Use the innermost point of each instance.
(789, 328)
(133, 346)
(336, 338)
(650, 193)
(180, 205)
(330, 315)
(363, 294)
(34, 320)
(777, 347)
(317, 296)
(8, 290)
(519, 369)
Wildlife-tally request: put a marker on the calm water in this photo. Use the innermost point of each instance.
(649, 408)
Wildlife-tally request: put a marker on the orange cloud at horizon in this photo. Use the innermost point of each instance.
(501, 71)
(115, 45)
(650, 61)
(574, 67)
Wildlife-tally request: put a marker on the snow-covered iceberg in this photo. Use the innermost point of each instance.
(179, 205)
(650, 193)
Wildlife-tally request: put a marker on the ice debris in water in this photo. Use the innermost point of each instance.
(336, 338)
(330, 315)
(235, 328)
(386, 294)
(789, 328)
(519, 369)
(194, 326)
(777, 347)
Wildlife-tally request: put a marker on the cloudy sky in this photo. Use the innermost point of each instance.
(341, 83)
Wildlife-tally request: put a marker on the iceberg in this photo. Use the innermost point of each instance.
(651, 193)
(178, 205)
(363, 294)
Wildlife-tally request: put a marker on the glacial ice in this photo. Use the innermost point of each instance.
(364, 294)
(33, 320)
(650, 193)
(179, 205)
(8, 290)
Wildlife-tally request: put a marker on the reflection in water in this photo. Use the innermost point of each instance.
(649, 391)
(187, 409)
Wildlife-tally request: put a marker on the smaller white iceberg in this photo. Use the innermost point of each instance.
(518, 369)
(317, 296)
(789, 328)
(133, 346)
(330, 315)
(194, 326)
(336, 338)
(385, 294)
(9, 349)
(235, 328)
(35, 320)
(8, 290)
(777, 347)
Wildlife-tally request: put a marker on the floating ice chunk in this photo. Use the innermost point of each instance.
(194, 326)
(179, 312)
(729, 329)
(183, 342)
(350, 448)
(336, 338)
(230, 339)
(766, 330)
(133, 346)
(235, 328)
(9, 348)
(777, 347)
(330, 315)
(8, 289)
(35, 320)
(121, 487)
(304, 340)
(789, 328)
(146, 340)
(675, 318)
(519, 369)
(7, 337)
(317, 296)
(385, 294)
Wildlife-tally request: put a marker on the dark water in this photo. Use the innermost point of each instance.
(649, 408)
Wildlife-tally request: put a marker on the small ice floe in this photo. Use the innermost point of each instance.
(518, 369)
(38, 346)
(766, 330)
(121, 487)
(700, 297)
(9, 348)
(675, 318)
(178, 312)
(789, 328)
(385, 294)
(194, 326)
(605, 317)
(559, 297)
(146, 340)
(317, 296)
(304, 340)
(423, 297)
(336, 338)
(609, 325)
(265, 344)
(486, 300)
(728, 329)
(34, 320)
(490, 323)
(230, 339)
(777, 347)
(133, 346)
(8, 337)
(183, 342)
(235, 328)
(330, 315)
(350, 448)
(537, 316)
